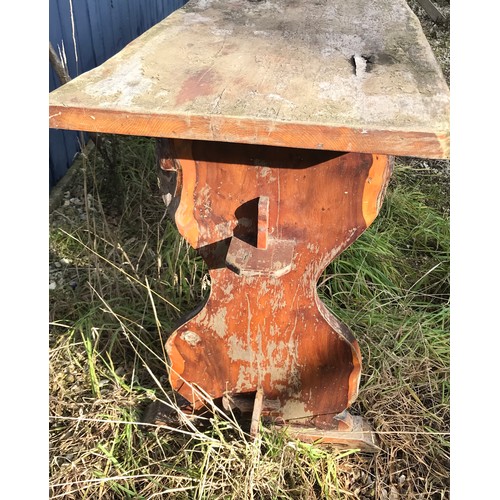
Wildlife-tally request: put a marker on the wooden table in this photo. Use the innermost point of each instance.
(277, 121)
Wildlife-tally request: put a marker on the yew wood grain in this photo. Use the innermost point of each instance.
(267, 331)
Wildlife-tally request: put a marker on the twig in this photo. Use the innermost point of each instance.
(257, 410)
(59, 68)
(63, 75)
(433, 12)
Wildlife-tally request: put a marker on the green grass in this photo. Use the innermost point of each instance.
(135, 277)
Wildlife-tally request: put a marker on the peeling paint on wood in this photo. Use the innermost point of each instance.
(279, 119)
(262, 329)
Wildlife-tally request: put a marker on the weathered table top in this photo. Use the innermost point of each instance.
(347, 75)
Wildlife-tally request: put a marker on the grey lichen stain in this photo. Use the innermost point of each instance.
(190, 337)
(191, 18)
(244, 379)
(218, 322)
(280, 269)
(213, 321)
(204, 201)
(294, 408)
(228, 290)
(271, 292)
(238, 350)
(224, 229)
(266, 172)
(277, 300)
(280, 356)
(313, 248)
(123, 86)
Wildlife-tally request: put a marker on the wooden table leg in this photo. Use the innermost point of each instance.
(267, 221)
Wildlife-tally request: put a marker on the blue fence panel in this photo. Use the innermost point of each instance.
(99, 29)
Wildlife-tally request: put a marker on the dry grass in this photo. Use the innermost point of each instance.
(124, 280)
(124, 283)
(125, 277)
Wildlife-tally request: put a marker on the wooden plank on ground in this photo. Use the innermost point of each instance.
(433, 12)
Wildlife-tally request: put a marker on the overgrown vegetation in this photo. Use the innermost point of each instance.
(123, 276)
(126, 276)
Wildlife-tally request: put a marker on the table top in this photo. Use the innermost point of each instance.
(346, 75)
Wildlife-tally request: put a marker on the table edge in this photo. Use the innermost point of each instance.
(417, 143)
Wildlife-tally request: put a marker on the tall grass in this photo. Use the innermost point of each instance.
(126, 279)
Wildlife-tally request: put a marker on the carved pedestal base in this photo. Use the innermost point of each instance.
(267, 221)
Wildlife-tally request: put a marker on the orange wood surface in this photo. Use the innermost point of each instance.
(263, 330)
